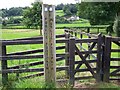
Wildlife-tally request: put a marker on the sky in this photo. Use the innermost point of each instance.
(23, 3)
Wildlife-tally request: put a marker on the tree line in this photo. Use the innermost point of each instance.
(96, 12)
(31, 16)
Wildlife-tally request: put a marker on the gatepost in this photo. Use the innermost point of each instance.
(48, 17)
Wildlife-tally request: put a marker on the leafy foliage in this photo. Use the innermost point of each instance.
(13, 20)
(59, 7)
(70, 9)
(4, 22)
(14, 11)
(116, 26)
(98, 13)
(32, 16)
(61, 19)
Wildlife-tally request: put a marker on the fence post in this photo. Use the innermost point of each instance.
(99, 59)
(88, 30)
(89, 47)
(4, 66)
(81, 36)
(67, 51)
(98, 30)
(102, 55)
(75, 33)
(71, 61)
(72, 33)
(107, 56)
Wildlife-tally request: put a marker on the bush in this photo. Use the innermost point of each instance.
(61, 19)
(110, 28)
(116, 26)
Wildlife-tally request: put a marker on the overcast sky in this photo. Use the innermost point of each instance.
(23, 3)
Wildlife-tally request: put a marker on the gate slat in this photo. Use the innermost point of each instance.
(86, 63)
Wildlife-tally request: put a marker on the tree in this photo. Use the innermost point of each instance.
(14, 11)
(32, 16)
(4, 23)
(70, 9)
(61, 19)
(116, 26)
(59, 7)
(101, 13)
(98, 12)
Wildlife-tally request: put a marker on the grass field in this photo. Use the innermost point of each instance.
(35, 82)
(59, 13)
(22, 33)
(72, 25)
(58, 26)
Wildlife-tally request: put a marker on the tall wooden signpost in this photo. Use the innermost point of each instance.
(48, 15)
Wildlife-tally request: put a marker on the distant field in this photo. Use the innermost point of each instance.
(58, 26)
(78, 23)
(60, 13)
(73, 25)
(22, 33)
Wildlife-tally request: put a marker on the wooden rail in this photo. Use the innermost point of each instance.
(103, 60)
(30, 54)
(100, 46)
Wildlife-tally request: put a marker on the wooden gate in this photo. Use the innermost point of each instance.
(111, 59)
(97, 58)
(85, 60)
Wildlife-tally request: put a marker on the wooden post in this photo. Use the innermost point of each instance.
(98, 30)
(99, 59)
(49, 43)
(75, 33)
(81, 36)
(67, 36)
(71, 61)
(103, 56)
(72, 33)
(4, 66)
(107, 57)
(88, 30)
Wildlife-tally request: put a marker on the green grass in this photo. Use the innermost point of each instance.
(35, 82)
(16, 33)
(73, 25)
(22, 33)
(81, 21)
(59, 13)
(61, 26)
